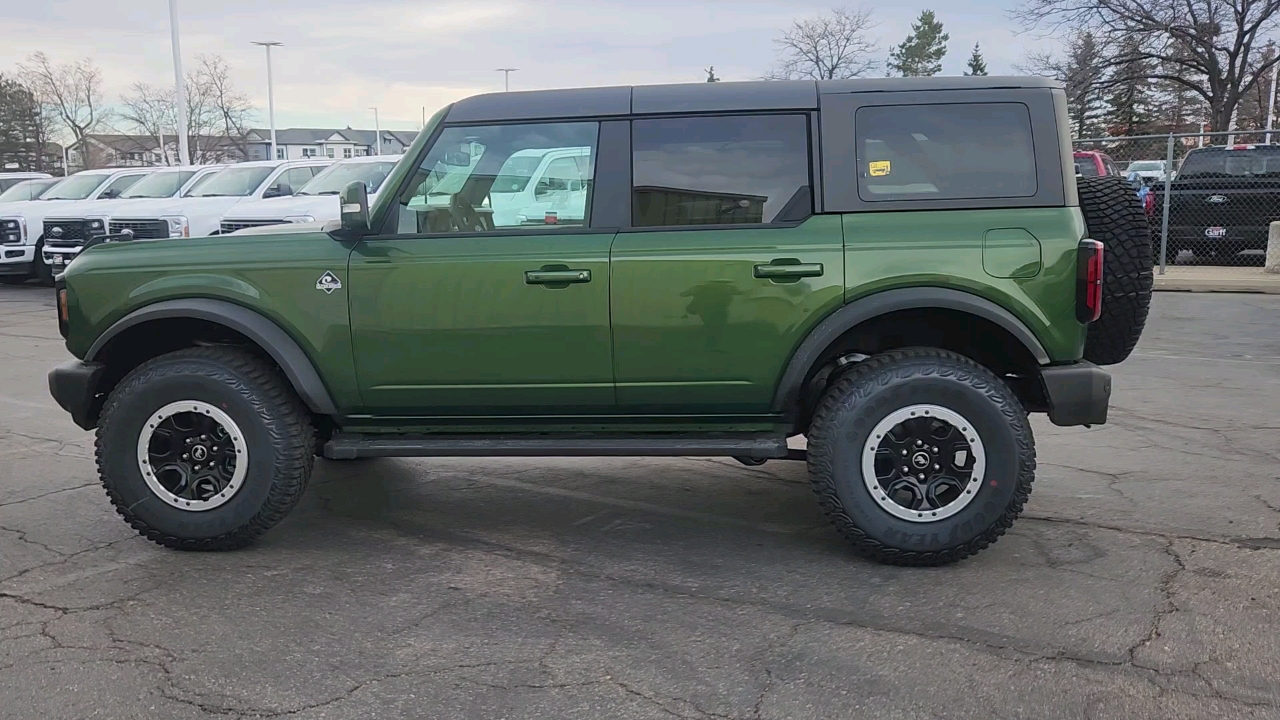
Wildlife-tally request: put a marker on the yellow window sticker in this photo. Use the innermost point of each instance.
(880, 168)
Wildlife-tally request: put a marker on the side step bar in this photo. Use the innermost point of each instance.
(756, 446)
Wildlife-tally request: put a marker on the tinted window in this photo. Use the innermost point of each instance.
(1220, 162)
(720, 171)
(338, 176)
(232, 182)
(945, 152)
(503, 176)
(159, 185)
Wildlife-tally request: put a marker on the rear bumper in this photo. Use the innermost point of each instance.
(74, 386)
(1079, 394)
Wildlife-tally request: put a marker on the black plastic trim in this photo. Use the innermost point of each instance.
(872, 306)
(754, 445)
(611, 192)
(283, 349)
(1079, 393)
(74, 386)
(541, 105)
(726, 97)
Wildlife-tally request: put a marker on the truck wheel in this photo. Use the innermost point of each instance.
(204, 449)
(1114, 217)
(921, 457)
(40, 270)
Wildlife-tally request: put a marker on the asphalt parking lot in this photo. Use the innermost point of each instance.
(1142, 582)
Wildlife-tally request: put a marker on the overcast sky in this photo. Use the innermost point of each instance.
(340, 58)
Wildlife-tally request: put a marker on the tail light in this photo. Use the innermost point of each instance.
(1089, 281)
(64, 312)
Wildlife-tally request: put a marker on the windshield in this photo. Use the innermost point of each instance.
(1253, 162)
(28, 190)
(1146, 166)
(232, 182)
(158, 185)
(516, 173)
(336, 177)
(76, 187)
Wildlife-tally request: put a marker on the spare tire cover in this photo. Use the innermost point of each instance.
(1114, 217)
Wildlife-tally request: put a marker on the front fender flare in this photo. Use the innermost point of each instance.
(859, 311)
(266, 333)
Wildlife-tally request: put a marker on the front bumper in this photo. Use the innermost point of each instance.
(1078, 394)
(59, 257)
(16, 259)
(74, 386)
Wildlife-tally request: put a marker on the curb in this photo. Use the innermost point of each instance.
(1259, 285)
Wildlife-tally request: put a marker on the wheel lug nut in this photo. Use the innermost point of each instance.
(904, 453)
(935, 449)
(184, 456)
(937, 466)
(906, 469)
(921, 474)
(919, 443)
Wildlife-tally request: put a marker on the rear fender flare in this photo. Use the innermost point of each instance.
(787, 395)
(267, 334)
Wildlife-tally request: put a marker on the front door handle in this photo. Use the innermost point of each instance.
(788, 270)
(562, 278)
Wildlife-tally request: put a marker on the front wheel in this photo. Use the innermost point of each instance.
(205, 448)
(921, 457)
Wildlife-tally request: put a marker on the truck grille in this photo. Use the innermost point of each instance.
(230, 226)
(69, 232)
(142, 229)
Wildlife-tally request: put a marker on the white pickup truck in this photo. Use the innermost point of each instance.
(199, 211)
(95, 218)
(317, 201)
(9, 179)
(22, 230)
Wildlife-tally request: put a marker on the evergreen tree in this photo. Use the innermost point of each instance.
(1082, 75)
(977, 63)
(922, 52)
(1129, 109)
(22, 137)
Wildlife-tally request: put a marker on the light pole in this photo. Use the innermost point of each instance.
(180, 85)
(271, 92)
(377, 133)
(506, 77)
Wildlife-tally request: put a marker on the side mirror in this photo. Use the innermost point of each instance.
(271, 192)
(354, 201)
(109, 194)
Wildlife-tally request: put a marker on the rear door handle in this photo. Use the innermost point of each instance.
(785, 270)
(556, 277)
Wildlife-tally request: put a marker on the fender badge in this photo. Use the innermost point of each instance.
(328, 282)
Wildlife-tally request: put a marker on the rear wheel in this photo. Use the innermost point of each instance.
(921, 457)
(1114, 217)
(204, 449)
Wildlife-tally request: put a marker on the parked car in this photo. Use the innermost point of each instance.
(199, 211)
(750, 265)
(1091, 163)
(9, 179)
(317, 201)
(94, 219)
(24, 190)
(22, 223)
(1147, 171)
(1222, 200)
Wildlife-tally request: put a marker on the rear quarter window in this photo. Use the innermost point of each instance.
(970, 151)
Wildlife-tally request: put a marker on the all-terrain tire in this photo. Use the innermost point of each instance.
(1114, 217)
(277, 436)
(865, 396)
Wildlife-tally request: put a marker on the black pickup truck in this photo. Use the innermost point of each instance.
(1223, 199)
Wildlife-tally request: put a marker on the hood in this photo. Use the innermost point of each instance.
(320, 207)
(38, 209)
(149, 209)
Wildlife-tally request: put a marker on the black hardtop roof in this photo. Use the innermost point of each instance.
(706, 97)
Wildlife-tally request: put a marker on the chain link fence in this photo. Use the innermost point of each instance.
(1209, 197)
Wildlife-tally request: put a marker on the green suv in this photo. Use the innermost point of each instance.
(900, 270)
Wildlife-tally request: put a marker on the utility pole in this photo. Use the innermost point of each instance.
(271, 94)
(1271, 107)
(377, 133)
(506, 77)
(179, 85)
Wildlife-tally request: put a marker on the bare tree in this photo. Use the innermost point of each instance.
(218, 115)
(1083, 73)
(71, 91)
(833, 46)
(1209, 47)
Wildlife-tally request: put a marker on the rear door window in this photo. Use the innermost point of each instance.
(746, 170)
(970, 151)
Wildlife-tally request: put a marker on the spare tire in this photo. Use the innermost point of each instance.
(1114, 217)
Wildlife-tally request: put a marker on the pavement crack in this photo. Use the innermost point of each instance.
(1170, 606)
(51, 492)
(1232, 543)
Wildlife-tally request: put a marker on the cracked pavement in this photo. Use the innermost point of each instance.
(1143, 581)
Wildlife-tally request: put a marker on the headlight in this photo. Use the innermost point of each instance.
(13, 230)
(299, 219)
(96, 226)
(178, 227)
